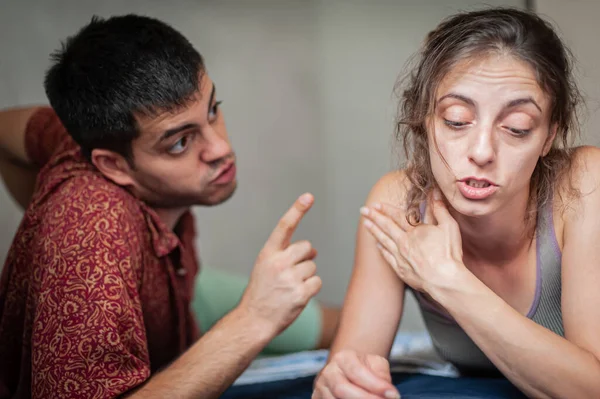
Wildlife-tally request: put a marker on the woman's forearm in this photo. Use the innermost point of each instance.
(538, 361)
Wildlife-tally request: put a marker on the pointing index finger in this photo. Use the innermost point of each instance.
(282, 234)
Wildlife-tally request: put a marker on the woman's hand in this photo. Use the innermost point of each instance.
(352, 375)
(423, 256)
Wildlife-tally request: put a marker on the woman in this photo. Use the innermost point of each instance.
(493, 224)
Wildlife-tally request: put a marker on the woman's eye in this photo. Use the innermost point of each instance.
(521, 119)
(455, 124)
(519, 132)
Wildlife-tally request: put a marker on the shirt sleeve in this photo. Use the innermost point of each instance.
(43, 135)
(88, 337)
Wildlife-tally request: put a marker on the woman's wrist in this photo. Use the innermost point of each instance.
(455, 284)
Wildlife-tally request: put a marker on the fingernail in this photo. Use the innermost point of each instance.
(364, 210)
(368, 224)
(392, 395)
(437, 195)
(305, 199)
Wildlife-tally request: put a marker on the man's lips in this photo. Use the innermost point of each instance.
(226, 174)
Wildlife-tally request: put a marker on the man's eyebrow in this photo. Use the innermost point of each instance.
(212, 97)
(174, 131)
(177, 129)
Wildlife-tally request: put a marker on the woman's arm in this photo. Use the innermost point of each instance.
(374, 299)
(357, 365)
(539, 362)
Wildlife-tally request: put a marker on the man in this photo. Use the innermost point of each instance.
(95, 293)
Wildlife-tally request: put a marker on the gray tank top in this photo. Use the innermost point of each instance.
(455, 346)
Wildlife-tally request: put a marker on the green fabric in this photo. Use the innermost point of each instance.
(218, 292)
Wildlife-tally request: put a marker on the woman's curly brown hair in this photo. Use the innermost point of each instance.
(469, 35)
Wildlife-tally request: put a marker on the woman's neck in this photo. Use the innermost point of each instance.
(500, 237)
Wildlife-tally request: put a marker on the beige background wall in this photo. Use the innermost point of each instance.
(307, 90)
(577, 21)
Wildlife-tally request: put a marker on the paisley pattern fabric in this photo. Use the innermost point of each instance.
(95, 292)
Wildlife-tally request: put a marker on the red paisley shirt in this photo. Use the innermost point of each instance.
(95, 293)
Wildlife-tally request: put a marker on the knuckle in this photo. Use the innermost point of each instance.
(379, 362)
(403, 246)
(299, 247)
(318, 283)
(285, 224)
(420, 233)
(351, 370)
(343, 356)
(338, 390)
(311, 289)
(305, 244)
(279, 263)
(304, 247)
(325, 374)
(300, 296)
(286, 276)
(299, 206)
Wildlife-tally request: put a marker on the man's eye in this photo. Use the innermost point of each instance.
(214, 110)
(179, 146)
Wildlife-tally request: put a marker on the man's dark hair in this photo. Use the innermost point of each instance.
(115, 68)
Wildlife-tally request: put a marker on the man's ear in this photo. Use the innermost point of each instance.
(113, 166)
(549, 140)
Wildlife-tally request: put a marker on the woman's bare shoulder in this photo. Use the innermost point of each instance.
(391, 188)
(586, 162)
(581, 181)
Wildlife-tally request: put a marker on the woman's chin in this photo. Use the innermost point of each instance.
(470, 208)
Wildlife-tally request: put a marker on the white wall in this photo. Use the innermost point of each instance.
(308, 102)
(577, 21)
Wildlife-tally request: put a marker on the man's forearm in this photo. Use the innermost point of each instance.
(18, 180)
(213, 363)
(13, 123)
(16, 169)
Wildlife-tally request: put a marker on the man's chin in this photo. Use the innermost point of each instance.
(216, 197)
(222, 195)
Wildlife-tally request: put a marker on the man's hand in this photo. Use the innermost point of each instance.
(283, 279)
(281, 284)
(352, 375)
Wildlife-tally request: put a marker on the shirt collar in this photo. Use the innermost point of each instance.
(164, 240)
